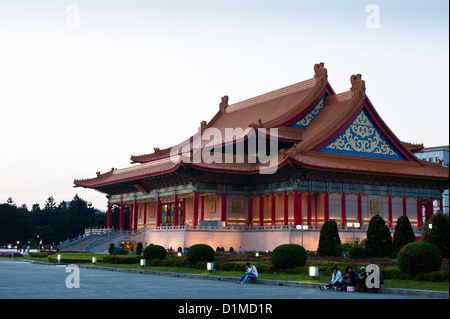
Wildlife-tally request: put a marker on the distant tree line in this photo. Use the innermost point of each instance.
(49, 225)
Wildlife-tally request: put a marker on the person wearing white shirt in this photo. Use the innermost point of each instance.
(250, 272)
(336, 279)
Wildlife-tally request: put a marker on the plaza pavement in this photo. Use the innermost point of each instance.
(29, 280)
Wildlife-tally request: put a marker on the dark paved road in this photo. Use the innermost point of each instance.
(21, 280)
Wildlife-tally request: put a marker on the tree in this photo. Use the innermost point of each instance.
(50, 203)
(79, 216)
(404, 233)
(439, 233)
(379, 240)
(329, 241)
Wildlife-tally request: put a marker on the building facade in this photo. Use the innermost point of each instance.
(272, 169)
(436, 154)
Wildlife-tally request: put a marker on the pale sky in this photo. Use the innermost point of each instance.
(86, 84)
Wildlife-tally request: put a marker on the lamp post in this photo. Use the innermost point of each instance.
(353, 225)
(302, 228)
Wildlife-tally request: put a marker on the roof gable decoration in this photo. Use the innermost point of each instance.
(363, 138)
(305, 120)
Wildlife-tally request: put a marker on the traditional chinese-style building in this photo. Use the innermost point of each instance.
(333, 158)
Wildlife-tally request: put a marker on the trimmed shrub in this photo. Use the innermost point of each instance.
(111, 249)
(199, 252)
(329, 241)
(139, 249)
(404, 233)
(288, 256)
(439, 233)
(414, 258)
(356, 252)
(379, 240)
(154, 252)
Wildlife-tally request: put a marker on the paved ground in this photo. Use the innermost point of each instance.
(21, 280)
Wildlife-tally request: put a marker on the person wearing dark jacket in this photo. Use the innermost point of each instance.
(361, 280)
(348, 280)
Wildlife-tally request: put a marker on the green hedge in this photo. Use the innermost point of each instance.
(67, 260)
(121, 260)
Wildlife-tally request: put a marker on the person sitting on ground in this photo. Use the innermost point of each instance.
(336, 279)
(361, 280)
(250, 272)
(349, 279)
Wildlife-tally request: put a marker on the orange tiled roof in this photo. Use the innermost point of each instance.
(278, 109)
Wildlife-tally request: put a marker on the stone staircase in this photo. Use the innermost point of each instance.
(80, 245)
(98, 240)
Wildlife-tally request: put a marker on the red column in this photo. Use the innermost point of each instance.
(343, 211)
(250, 210)
(145, 214)
(261, 210)
(390, 210)
(202, 208)
(419, 212)
(122, 209)
(195, 219)
(130, 219)
(326, 206)
(135, 223)
(300, 209)
(224, 208)
(315, 209)
(308, 208)
(108, 216)
(429, 208)
(176, 209)
(441, 204)
(404, 205)
(297, 220)
(183, 221)
(272, 202)
(286, 208)
(360, 209)
(158, 212)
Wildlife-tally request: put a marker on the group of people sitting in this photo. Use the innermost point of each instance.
(351, 278)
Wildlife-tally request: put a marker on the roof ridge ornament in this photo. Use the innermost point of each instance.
(224, 104)
(256, 126)
(358, 85)
(320, 72)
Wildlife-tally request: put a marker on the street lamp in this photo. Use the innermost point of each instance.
(353, 225)
(302, 228)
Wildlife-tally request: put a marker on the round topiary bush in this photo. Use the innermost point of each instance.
(154, 252)
(199, 252)
(419, 257)
(288, 256)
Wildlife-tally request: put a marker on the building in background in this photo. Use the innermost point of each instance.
(437, 154)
